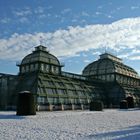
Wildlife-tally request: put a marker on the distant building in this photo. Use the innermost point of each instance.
(40, 72)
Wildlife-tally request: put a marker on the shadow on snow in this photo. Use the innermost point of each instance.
(128, 133)
(130, 109)
(10, 116)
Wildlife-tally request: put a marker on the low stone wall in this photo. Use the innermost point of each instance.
(62, 107)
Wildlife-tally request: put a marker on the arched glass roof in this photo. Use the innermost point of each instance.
(108, 64)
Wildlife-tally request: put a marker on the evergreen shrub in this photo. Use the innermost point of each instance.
(123, 104)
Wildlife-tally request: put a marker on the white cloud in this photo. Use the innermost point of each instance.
(67, 10)
(22, 12)
(109, 16)
(98, 13)
(23, 20)
(5, 20)
(117, 37)
(119, 8)
(85, 55)
(85, 14)
(87, 61)
(135, 58)
(39, 10)
(42, 16)
(74, 20)
(136, 51)
(125, 55)
(100, 7)
(96, 53)
(134, 7)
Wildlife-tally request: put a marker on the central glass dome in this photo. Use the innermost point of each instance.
(40, 55)
(40, 60)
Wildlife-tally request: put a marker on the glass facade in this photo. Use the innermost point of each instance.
(64, 89)
(106, 79)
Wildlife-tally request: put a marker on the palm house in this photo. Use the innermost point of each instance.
(40, 72)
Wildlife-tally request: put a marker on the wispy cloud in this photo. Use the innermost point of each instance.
(67, 10)
(87, 61)
(119, 8)
(5, 20)
(85, 14)
(118, 36)
(39, 10)
(96, 53)
(134, 7)
(98, 13)
(22, 12)
(84, 55)
(109, 16)
(23, 20)
(137, 57)
(99, 7)
(124, 55)
(42, 16)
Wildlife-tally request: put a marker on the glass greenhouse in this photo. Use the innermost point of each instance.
(40, 72)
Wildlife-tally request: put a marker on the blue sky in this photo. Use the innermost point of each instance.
(76, 31)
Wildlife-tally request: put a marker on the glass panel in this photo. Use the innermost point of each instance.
(108, 78)
(112, 77)
(57, 70)
(83, 101)
(71, 92)
(50, 83)
(75, 101)
(27, 68)
(36, 66)
(103, 77)
(81, 93)
(50, 100)
(61, 91)
(93, 72)
(54, 61)
(22, 69)
(78, 87)
(52, 69)
(101, 71)
(31, 67)
(109, 70)
(59, 84)
(42, 67)
(55, 100)
(50, 91)
(41, 100)
(69, 86)
(47, 68)
(62, 100)
(38, 90)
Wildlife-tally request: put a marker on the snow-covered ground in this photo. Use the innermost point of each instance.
(71, 125)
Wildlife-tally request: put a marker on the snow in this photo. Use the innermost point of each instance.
(111, 124)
